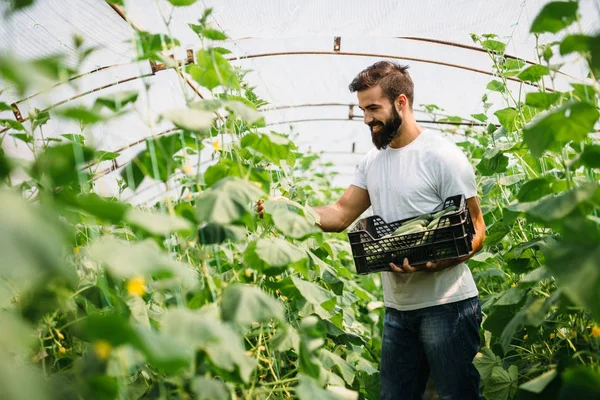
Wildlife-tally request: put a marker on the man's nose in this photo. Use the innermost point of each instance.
(367, 118)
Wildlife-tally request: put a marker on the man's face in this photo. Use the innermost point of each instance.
(379, 113)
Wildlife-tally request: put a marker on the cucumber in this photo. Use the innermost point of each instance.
(417, 222)
(433, 223)
(445, 211)
(404, 230)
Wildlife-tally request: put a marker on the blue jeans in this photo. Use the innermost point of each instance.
(441, 340)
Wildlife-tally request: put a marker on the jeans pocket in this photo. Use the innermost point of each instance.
(476, 307)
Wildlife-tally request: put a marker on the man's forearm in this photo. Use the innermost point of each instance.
(332, 219)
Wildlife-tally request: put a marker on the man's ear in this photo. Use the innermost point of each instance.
(400, 103)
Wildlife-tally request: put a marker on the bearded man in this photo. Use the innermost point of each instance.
(433, 313)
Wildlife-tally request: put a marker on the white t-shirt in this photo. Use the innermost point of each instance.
(410, 181)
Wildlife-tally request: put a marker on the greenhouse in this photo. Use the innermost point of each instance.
(315, 200)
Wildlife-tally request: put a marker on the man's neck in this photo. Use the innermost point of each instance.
(407, 134)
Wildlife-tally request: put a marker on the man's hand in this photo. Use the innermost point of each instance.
(430, 266)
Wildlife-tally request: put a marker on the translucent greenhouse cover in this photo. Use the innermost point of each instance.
(289, 49)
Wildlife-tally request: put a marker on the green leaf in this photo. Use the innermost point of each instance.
(213, 70)
(190, 119)
(213, 34)
(493, 162)
(81, 114)
(576, 43)
(157, 223)
(539, 383)
(331, 360)
(509, 180)
(117, 101)
(10, 123)
(210, 389)
(502, 384)
(285, 339)
(511, 296)
(145, 258)
(558, 207)
(554, 17)
(106, 155)
(274, 147)
(156, 161)
(512, 67)
(32, 243)
(508, 118)
(182, 3)
(227, 202)
(201, 330)
(24, 137)
(581, 280)
(294, 225)
(60, 165)
(485, 361)
(590, 157)
(570, 122)
(212, 233)
(149, 46)
(159, 349)
(580, 382)
(38, 118)
(244, 111)
(498, 318)
(480, 117)
(542, 100)
(534, 190)
(275, 253)
(5, 165)
(496, 86)
(308, 389)
(20, 4)
(493, 45)
(74, 137)
(312, 292)
(5, 107)
(585, 93)
(533, 73)
(109, 209)
(245, 304)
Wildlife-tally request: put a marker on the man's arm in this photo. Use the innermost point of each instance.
(338, 216)
(478, 224)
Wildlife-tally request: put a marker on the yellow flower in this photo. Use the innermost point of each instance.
(216, 145)
(525, 337)
(102, 349)
(248, 272)
(513, 285)
(573, 335)
(187, 169)
(61, 350)
(76, 250)
(135, 286)
(596, 331)
(552, 336)
(59, 335)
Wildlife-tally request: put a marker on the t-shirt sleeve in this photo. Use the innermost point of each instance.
(360, 176)
(455, 174)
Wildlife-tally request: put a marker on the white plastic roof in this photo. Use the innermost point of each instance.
(267, 36)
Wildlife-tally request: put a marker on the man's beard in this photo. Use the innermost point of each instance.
(387, 132)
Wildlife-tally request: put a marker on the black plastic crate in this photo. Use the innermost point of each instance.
(450, 239)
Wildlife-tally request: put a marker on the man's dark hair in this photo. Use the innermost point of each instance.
(392, 77)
